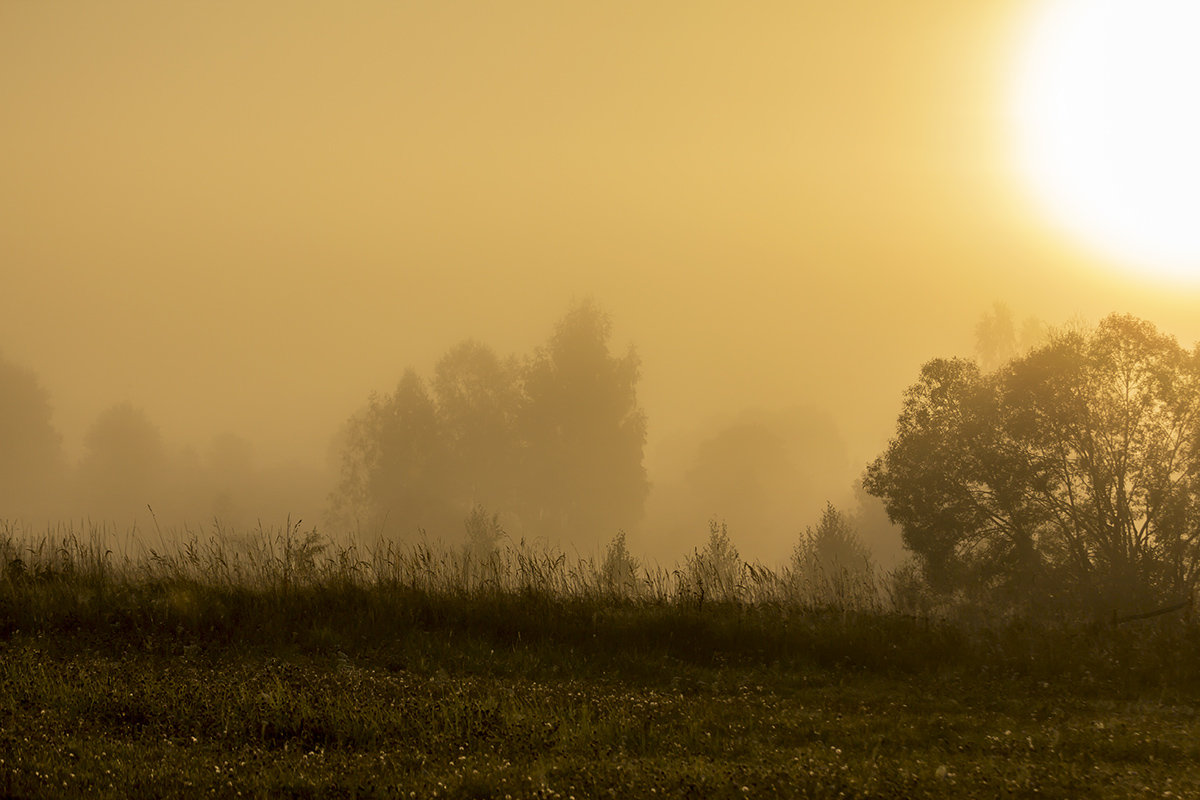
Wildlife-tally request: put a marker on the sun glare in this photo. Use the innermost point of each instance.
(1107, 118)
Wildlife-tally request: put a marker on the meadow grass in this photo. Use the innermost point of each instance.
(280, 664)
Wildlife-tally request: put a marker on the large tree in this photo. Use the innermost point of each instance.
(1071, 473)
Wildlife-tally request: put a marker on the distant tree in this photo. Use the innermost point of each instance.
(31, 457)
(124, 465)
(995, 337)
(1033, 334)
(879, 534)
(478, 399)
(715, 572)
(831, 566)
(1071, 473)
(584, 431)
(997, 340)
(484, 534)
(228, 469)
(832, 548)
(619, 570)
(742, 470)
(760, 470)
(395, 463)
(553, 445)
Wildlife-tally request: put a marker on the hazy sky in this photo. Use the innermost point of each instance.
(247, 215)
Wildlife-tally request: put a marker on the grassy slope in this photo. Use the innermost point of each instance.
(170, 679)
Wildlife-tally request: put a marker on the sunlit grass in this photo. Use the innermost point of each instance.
(282, 664)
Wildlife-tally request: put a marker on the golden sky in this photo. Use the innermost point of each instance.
(247, 215)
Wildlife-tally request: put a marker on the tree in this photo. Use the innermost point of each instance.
(996, 338)
(229, 479)
(831, 549)
(124, 464)
(584, 431)
(745, 472)
(619, 570)
(395, 463)
(478, 399)
(31, 457)
(716, 571)
(553, 444)
(831, 566)
(1071, 473)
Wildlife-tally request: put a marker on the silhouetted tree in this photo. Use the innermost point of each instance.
(553, 445)
(484, 534)
(995, 337)
(395, 463)
(1072, 472)
(584, 431)
(742, 471)
(879, 535)
(478, 399)
(997, 340)
(31, 457)
(763, 471)
(831, 549)
(715, 573)
(619, 570)
(230, 478)
(124, 465)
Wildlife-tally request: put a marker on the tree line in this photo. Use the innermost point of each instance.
(125, 465)
(1062, 472)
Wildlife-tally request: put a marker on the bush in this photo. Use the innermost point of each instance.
(619, 570)
(715, 572)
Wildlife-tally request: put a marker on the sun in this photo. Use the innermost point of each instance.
(1106, 117)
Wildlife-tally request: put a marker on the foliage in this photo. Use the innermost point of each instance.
(31, 457)
(715, 572)
(833, 546)
(619, 571)
(1071, 475)
(124, 465)
(481, 552)
(552, 443)
(753, 470)
(478, 396)
(584, 429)
(832, 561)
(283, 667)
(997, 341)
(393, 460)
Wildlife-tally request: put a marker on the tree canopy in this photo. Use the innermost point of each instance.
(31, 457)
(125, 465)
(553, 442)
(1071, 473)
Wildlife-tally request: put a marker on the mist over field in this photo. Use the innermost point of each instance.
(767, 471)
(219, 235)
(445, 398)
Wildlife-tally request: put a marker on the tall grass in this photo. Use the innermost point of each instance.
(289, 559)
(290, 586)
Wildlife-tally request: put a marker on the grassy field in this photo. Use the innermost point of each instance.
(282, 667)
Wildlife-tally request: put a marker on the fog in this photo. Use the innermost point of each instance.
(223, 227)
